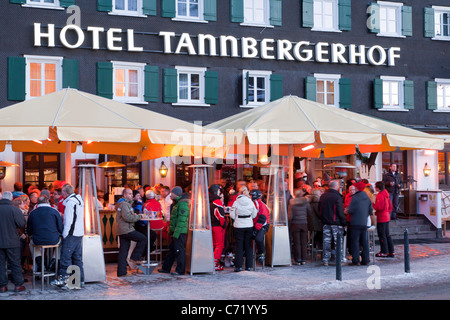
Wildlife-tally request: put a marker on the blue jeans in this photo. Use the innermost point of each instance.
(71, 254)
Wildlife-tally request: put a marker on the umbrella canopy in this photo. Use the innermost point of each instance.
(299, 122)
(102, 125)
(340, 165)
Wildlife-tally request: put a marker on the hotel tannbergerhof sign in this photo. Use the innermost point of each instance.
(73, 37)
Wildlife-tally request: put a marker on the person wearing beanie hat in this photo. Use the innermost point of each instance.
(360, 209)
(178, 229)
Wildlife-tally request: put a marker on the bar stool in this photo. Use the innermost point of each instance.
(254, 254)
(45, 274)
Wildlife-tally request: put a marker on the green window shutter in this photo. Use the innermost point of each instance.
(345, 15)
(211, 87)
(105, 79)
(170, 86)
(373, 23)
(310, 89)
(378, 93)
(407, 21)
(408, 86)
(16, 78)
(431, 95)
(104, 5)
(168, 9)
(428, 24)
(276, 87)
(151, 91)
(276, 12)
(345, 93)
(71, 78)
(210, 10)
(308, 13)
(149, 7)
(66, 3)
(237, 11)
(18, 1)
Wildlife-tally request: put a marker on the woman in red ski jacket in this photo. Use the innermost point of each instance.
(383, 208)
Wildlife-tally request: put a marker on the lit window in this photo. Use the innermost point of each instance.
(325, 15)
(191, 85)
(128, 82)
(43, 3)
(43, 75)
(327, 89)
(256, 85)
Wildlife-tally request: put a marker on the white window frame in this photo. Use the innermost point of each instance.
(46, 60)
(401, 93)
(329, 77)
(438, 11)
(249, 21)
(255, 73)
(335, 14)
(43, 5)
(141, 81)
(446, 83)
(200, 17)
(126, 12)
(397, 6)
(190, 102)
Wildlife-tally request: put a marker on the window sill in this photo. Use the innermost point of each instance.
(127, 14)
(258, 25)
(394, 109)
(189, 20)
(441, 38)
(388, 35)
(129, 101)
(41, 6)
(251, 106)
(190, 104)
(442, 110)
(326, 30)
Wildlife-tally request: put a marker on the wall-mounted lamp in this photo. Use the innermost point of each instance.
(163, 170)
(426, 170)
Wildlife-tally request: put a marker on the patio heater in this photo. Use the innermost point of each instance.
(278, 249)
(93, 259)
(199, 246)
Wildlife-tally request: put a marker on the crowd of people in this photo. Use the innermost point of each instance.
(239, 214)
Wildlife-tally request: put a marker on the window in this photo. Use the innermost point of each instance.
(442, 23)
(43, 75)
(392, 92)
(325, 15)
(128, 79)
(43, 3)
(127, 7)
(40, 169)
(443, 94)
(256, 12)
(129, 175)
(256, 88)
(190, 9)
(327, 89)
(390, 19)
(191, 85)
(444, 169)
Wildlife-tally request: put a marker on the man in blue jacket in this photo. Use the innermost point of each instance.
(333, 219)
(45, 226)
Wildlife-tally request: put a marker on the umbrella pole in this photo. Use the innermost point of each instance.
(291, 169)
(68, 166)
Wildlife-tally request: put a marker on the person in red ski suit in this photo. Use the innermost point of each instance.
(218, 222)
(260, 223)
